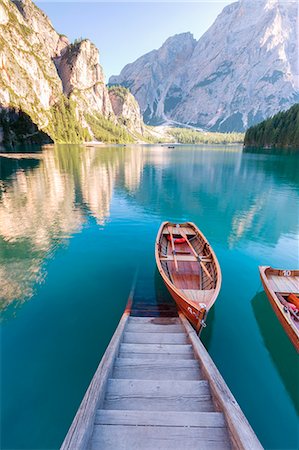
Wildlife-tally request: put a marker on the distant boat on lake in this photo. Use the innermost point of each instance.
(282, 289)
(189, 268)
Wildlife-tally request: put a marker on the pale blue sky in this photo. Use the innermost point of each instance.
(123, 31)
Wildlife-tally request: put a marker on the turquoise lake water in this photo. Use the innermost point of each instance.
(75, 225)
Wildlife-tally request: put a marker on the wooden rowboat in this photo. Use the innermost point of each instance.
(278, 285)
(189, 268)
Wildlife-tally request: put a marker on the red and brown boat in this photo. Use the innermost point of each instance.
(282, 289)
(189, 268)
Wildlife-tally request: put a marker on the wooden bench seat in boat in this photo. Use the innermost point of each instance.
(284, 284)
(199, 296)
(185, 258)
(186, 230)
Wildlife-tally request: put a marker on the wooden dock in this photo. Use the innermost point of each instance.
(157, 388)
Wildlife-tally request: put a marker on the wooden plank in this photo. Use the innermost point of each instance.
(155, 320)
(189, 231)
(241, 433)
(160, 373)
(148, 369)
(155, 338)
(153, 314)
(158, 388)
(173, 249)
(187, 363)
(81, 428)
(122, 437)
(157, 349)
(157, 356)
(153, 328)
(185, 258)
(158, 395)
(284, 284)
(158, 418)
(200, 296)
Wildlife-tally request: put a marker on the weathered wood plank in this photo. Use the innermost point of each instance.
(158, 387)
(81, 428)
(284, 284)
(156, 373)
(186, 258)
(186, 363)
(149, 369)
(156, 348)
(158, 418)
(241, 433)
(155, 338)
(158, 395)
(153, 328)
(121, 437)
(156, 320)
(157, 356)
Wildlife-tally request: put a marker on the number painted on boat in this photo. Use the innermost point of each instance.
(194, 313)
(286, 273)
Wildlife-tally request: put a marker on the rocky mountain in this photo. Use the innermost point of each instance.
(154, 74)
(242, 70)
(47, 83)
(126, 108)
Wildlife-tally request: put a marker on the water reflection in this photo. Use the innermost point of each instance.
(44, 201)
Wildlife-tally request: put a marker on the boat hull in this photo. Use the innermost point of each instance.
(278, 309)
(193, 314)
(194, 311)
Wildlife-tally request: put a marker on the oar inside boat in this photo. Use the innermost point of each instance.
(200, 259)
(173, 249)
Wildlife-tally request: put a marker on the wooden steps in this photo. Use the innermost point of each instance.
(152, 369)
(153, 391)
(156, 351)
(159, 418)
(158, 395)
(155, 338)
(156, 384)
(127, 437)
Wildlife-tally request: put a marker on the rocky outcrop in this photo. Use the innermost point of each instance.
(29, 79)
(55, 83)
(83, 78)
(243, 69)
(50, 41)
(126, 109)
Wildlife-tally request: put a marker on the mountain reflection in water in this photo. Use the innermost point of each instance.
(44, 201)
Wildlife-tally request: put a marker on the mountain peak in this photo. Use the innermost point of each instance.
(243, 69)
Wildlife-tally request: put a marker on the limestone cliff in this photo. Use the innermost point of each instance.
(126, 109)
(242, 70)
(56, 84)
(29, 79)
(83, 78)
(151, 76)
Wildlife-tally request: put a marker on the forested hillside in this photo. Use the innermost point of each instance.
(190, 136)
(281, 130)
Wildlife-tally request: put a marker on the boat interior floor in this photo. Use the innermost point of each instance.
(188, 275)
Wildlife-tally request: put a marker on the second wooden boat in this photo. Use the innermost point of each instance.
(189, 268)
(282, 289)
